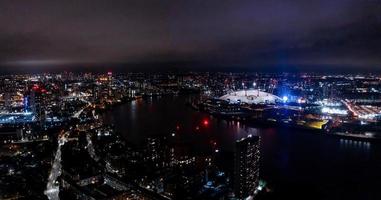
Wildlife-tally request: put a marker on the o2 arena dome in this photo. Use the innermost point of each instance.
(251, 97)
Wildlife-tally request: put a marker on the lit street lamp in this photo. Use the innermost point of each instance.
(243, 86)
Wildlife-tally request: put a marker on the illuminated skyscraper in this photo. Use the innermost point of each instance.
(37, 103)
(246, 169)
(8, 101)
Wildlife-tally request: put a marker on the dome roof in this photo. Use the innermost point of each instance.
(250, 97)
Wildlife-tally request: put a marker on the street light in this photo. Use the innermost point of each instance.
(243, 86)
(254, 85)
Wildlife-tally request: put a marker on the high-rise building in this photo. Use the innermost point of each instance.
(159, 152)
(246, 169)
(8, 101)
(37, 103)
(26, 103)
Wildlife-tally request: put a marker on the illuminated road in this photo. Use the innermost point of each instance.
(90, 148)
(81, 96)
(77, 114)
(52, 187)
(349, 107)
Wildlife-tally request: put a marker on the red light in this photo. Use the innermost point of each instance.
(205, 122)
(35, 87)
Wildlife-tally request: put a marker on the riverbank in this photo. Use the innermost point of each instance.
(255, 120)
(292, 160)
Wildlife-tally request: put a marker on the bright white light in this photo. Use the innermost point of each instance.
(334, 111)
(285, 98)
(301, 100)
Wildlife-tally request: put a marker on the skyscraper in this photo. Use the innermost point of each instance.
(246, 169)
(37, 103)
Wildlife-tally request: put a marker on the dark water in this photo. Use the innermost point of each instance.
(296, 164)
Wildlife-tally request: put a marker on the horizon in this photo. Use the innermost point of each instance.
(183, 68)
(190, 99)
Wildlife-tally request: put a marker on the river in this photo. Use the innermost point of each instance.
(296, 164)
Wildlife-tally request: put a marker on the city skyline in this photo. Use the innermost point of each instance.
(193, 99)
(194, 135)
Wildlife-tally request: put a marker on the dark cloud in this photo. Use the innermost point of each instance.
(197, 32)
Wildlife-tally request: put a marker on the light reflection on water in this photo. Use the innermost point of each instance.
(356, 148)
(291, 160)
(348, 143)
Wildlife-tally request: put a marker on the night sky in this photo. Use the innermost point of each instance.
(199, 34)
